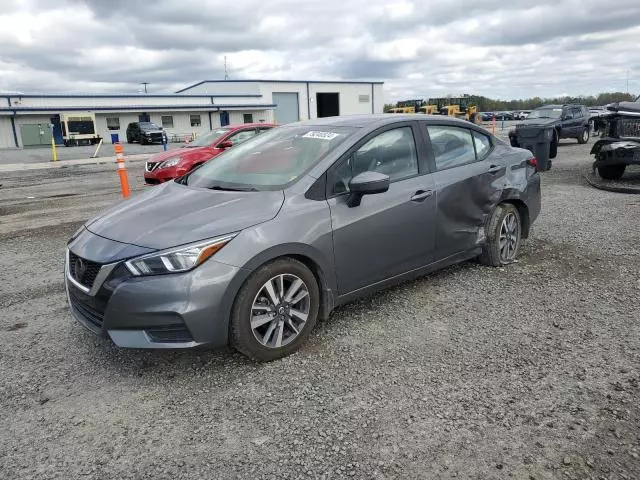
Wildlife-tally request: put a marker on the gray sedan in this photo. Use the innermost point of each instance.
(253, 248)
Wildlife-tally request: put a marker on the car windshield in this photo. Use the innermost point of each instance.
(269, 161)
(149, 126)
(546, 113)
(209, 138)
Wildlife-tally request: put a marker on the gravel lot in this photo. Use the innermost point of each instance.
(530, 371)
(44, 154)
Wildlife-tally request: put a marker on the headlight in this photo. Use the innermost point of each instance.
(170, 162)
(179, 259)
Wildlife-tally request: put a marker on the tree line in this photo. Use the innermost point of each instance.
(492, 105)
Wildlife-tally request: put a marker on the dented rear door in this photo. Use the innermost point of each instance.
(469, 177)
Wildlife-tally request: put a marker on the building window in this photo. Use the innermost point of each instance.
(195, 120)
(167, 121)
(113, 123)
(247, 118)
(363, 98)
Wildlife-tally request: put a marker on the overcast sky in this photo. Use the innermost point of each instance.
(497, 48)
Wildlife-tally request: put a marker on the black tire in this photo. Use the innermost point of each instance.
(612, 172)
(513, 140)
(129, 140)
(242, 337)
(491, 250)
(584, 138)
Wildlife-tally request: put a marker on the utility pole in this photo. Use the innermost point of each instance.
(145, 86)
(226, 71)
(627, 82)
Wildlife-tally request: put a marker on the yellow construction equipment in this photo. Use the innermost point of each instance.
(407, 106)
(459, 107)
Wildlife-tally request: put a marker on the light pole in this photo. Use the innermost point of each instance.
(145, 86)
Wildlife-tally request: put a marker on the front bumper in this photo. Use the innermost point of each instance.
(162, 311)
(611, 151)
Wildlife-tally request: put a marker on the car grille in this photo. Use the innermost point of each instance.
(151, 166)
(93, 314)
(83, 271)
(152, 181)
(628, 127)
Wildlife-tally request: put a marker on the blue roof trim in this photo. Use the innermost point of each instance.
(348, 82)
(140, 108)
(127, 95)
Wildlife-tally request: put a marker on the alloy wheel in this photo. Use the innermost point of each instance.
(585, 136)
(280, 311)
(509, 237)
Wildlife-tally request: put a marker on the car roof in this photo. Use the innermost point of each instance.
(247, 125)
(375, 120)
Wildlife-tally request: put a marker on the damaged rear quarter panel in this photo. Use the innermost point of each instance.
(468, 194)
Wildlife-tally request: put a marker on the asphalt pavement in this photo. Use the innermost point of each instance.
(530, 371)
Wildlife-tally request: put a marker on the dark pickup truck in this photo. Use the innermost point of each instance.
(568, 121)
(619, 145)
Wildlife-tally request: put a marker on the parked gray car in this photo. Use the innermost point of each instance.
(253, 248)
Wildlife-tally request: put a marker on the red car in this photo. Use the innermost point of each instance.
(175, 163)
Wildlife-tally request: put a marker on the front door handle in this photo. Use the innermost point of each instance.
(421, 195)
(495, 168)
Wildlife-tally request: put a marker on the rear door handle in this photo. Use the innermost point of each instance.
(495, 168)
(421, 195)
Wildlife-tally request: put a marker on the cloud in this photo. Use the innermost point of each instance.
(487, 47)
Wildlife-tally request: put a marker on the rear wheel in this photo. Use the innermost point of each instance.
(504, 233)
(275, 310)
(612, 172)
(584, 137)
(553, 150)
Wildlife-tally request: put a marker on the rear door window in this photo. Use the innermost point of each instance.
(452, 146)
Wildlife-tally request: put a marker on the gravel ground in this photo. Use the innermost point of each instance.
(530, 371)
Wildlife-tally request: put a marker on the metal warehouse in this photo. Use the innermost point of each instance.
(30, 120)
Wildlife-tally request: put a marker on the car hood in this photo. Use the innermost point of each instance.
(538, 121)
(176, 152)
(152, 131)
(173, 214)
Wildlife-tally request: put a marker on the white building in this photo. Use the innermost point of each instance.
(25, 119)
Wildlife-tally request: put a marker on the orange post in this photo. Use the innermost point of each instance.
(122, 170)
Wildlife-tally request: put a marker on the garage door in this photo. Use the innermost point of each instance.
(287, 107)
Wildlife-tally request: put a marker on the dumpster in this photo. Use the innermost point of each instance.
(114, 138)
(537, 139)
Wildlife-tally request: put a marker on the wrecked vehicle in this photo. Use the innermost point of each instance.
(252, 248)
(620, 142)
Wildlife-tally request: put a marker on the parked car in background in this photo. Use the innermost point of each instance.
(252, 248)
(145, 133)
(504, 115)
(521, 115)
(175, 163)
(487, 116)
(568, 121)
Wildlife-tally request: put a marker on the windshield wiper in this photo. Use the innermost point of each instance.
(233, 189)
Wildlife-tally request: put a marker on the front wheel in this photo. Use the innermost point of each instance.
(504, 233)
(612, 172)
(275, 310)
(584, 137)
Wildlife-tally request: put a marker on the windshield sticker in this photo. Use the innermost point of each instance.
(321, 135)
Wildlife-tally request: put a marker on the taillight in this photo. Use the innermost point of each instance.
(533, 162)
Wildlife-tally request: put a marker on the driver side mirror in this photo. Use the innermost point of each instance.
(225, 144)
(366, 183)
